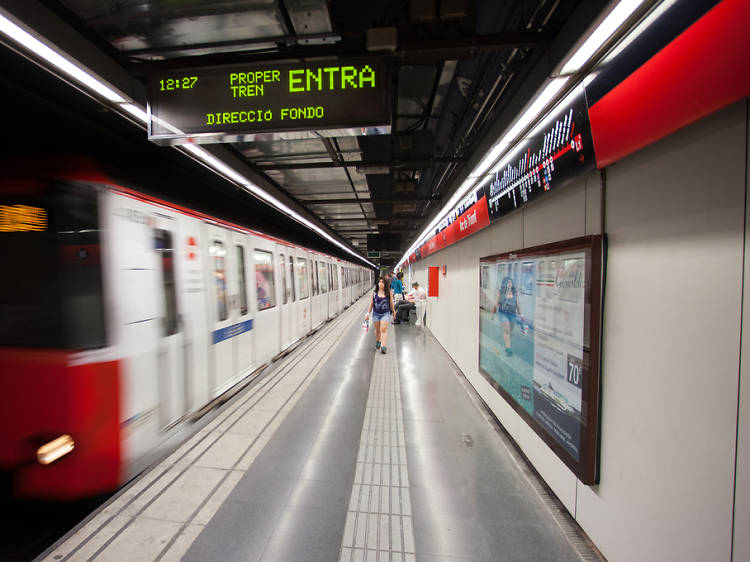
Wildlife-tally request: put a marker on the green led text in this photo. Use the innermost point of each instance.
(331, 78)
(251, 84)
(261, 115)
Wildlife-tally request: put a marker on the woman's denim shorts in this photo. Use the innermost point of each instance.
(381, 317)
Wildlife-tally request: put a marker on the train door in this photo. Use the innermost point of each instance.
(170, 354)
(221, 288)
(323, 280)
(294, 298)
(267, 337)
(334, 300)
(348, 285)
(303, 292)
(285, 305)
(243, 329)
(334, 290)
(315, 292)
(339, 291)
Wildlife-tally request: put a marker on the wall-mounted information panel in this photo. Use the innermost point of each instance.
(212, 102)
(557, 150)
(539, 342)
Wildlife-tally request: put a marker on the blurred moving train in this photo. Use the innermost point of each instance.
(122, 316)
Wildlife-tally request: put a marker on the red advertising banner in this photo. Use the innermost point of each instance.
(473, 220)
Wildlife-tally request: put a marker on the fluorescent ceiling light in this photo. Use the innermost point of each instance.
(604, 31)
(135, 111)
(235, 177)
(25, 39)
(642, 26)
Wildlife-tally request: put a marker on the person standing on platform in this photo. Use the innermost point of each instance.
(397, 287)
(381, 307)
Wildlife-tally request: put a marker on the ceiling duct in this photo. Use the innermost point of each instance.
(415, 146)
(384, 241)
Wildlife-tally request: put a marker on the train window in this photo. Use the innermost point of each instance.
(291, 278)
(282, 268)
(322, 277)
(241, 280)
(218, 253)
(165, 251)
(264, 281)
(302, 277)
(51, 291)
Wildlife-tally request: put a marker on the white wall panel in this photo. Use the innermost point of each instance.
(557, 216)
(674, 220)
(742, 484)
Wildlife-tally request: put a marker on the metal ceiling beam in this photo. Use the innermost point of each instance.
(440, 50)
(415, 165)
(373, 201)
(368, 220)
(279, 39)
(427, 51)
(345, 232)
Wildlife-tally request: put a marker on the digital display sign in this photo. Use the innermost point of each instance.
(270, 97)
(559, 149)
(22, 218)
(539, 341)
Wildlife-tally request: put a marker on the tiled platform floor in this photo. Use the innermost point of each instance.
(341, 454)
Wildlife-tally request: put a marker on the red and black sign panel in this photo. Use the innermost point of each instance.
(558, 150)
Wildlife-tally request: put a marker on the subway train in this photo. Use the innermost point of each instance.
(122, 316)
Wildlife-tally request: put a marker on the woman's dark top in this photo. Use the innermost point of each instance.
(380, 304)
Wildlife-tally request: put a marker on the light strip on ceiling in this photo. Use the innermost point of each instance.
(84, 78)
(600, 35)
(32, 44)
(597, 37)
(222, 169)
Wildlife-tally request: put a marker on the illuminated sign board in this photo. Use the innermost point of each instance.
(557, 151)
(250, 98)
(22, 218)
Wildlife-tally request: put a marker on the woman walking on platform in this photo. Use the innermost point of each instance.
(381, 307)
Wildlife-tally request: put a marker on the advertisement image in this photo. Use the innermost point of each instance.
(534, 332)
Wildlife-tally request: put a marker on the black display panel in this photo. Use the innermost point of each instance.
(260, 97)
(558, 150)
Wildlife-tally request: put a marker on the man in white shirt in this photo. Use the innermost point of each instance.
(403, 307)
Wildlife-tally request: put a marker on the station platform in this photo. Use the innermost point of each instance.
(339, 452)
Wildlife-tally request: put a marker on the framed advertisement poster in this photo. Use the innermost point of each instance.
(540, 340)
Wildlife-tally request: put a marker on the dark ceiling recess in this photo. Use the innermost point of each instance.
(456, 63)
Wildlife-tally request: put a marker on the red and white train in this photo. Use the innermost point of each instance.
(122, 315)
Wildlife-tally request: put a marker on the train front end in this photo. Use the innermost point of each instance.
(59, 381)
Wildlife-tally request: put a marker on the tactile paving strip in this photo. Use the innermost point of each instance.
(379, 520)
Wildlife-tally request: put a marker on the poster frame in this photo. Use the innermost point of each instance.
(587, 467)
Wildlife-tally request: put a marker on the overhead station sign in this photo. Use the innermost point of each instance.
(213, 102)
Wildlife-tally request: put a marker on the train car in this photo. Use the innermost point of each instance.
(122, 316)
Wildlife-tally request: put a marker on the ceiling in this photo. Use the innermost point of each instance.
(455, 64)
